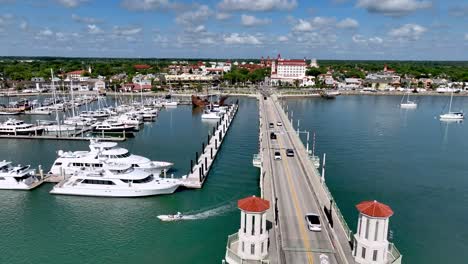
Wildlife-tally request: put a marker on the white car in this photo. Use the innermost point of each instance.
(279, 124)
(313, 222)
(277, 155)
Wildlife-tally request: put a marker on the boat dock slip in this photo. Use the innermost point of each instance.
(199, 171)
(295, 188)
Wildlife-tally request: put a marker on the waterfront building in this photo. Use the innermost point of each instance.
(100, 85)
(289, 71)
(250, 243)
(370, 242)
(75, 75)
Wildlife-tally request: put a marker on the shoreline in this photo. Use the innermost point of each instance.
(284, 94)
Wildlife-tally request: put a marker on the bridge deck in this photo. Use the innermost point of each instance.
(293, 186)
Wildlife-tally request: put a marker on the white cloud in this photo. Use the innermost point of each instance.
(45, 32)
(459, 10)
(316, 23)
(85, 20)
(283, 38)
(194, 17)
(251, 21)
(24, 25)
(348, 23)
(359, 39)
(257, 5)
(71, 3)
(197, 29)
(238, 39)
(145, 5)
(408, 32)
(126, 31)
(223, 16)
(93, 29)
(393, 7)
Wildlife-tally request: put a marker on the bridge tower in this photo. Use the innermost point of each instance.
(371, 245)
(253, 234)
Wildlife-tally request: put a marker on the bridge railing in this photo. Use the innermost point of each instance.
(394, 256)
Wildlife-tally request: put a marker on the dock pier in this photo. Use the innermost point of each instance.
(199, 171)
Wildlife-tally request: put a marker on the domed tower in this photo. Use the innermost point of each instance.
(371, 245)
(253, 234)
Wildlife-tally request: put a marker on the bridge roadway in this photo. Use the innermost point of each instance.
(295, 197)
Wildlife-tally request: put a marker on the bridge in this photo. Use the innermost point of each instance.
(295, 187)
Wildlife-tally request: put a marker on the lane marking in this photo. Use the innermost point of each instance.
(299, 214)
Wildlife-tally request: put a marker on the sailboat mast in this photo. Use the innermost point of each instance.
(450, 105)
(72, 97)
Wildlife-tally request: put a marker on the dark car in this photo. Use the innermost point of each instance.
(271, 125)
(272, 135)
(290, 153)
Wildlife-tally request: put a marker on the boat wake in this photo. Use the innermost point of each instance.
(209, 213)
(200, 215)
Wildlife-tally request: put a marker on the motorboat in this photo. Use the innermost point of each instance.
(79, 121)
(17, 177)
(19, 127)
(99, 155)
(99, 114)
(40, 111)
(115, 181)
(208, 114)
(60, 128)
(171, 218)
(113, 126)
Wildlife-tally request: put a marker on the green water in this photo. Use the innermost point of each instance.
(41, 228)
(407, 159)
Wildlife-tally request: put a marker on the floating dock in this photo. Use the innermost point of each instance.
(199, 172)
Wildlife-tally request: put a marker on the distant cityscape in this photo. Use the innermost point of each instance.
(131, 75)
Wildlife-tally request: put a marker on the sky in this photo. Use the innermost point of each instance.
(322, 29)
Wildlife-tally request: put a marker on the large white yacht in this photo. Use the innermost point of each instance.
(19, 127)
(17, 177)
(101, 154)
(116, 181)
(113, 126)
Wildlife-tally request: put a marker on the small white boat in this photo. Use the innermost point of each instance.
(452, 115)
(408, 104)
(171, 218)
(40, 111)
(211, 115)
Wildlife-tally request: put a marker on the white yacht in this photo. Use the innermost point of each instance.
(102, 153)
(95, 114)
(19, 127)
(208, 114)
(80, 121)
(113, 126)
(17, 177)
(452, 116)
(116, 181)
(129, 119)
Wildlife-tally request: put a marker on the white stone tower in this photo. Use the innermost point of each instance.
(253, 234)
(371, 245)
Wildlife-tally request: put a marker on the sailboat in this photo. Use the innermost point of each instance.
(452, 115)
(408, 104)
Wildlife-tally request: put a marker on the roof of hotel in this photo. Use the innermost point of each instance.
(292, 62)
(374, 209)
(253, 204)
(141, 66)
(77, 72)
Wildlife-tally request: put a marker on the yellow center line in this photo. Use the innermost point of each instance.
(299, 214)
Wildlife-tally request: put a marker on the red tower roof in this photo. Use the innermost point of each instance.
(253, 204)
(374, 209)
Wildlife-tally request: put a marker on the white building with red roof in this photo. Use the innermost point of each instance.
(287, 70)
(250, 243)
